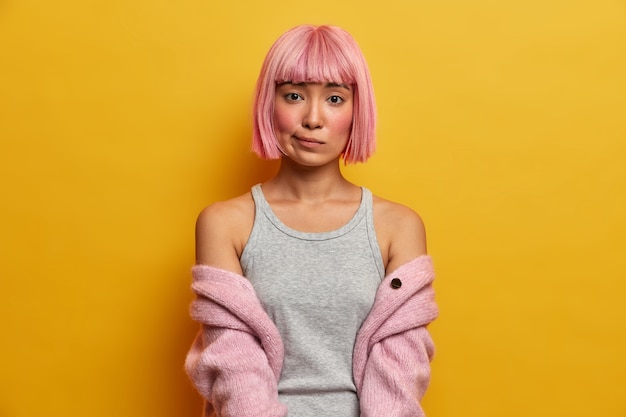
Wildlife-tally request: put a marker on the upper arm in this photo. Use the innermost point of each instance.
(221, 235)
(402, 232)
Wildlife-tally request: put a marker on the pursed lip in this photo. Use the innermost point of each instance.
(308, 140)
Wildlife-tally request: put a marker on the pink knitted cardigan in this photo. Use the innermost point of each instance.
(236, 359)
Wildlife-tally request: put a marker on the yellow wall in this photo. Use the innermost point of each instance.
(503, 123)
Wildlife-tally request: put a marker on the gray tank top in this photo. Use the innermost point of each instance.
(318, 288)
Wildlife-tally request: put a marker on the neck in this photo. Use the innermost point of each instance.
(308, 184)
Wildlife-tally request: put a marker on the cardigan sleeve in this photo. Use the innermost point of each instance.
(230, 370)
(397, 374)
(228, 362)
(394, 348)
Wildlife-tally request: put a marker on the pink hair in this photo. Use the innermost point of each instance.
(316, 54)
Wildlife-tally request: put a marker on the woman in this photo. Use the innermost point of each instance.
(313, 294)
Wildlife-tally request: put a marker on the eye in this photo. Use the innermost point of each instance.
(335, 99)
(293, 96)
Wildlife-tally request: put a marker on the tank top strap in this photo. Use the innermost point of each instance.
(261, 206)
(368, 202)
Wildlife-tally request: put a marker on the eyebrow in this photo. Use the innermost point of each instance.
(328, 85)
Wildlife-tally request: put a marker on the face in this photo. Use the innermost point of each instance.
(312, 121)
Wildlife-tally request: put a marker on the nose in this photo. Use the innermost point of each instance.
(312, 118)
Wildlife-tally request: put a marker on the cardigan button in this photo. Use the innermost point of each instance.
(396, 283)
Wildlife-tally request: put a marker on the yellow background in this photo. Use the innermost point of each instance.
(502, 122)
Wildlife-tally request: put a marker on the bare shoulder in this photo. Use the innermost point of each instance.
(222, 230)
(400, 232)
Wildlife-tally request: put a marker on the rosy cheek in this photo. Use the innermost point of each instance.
(282, 120)
(344, 122)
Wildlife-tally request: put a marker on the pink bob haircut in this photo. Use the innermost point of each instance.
(316, 54)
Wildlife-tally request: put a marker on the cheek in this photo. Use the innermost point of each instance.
(283, 120)
(343, 122)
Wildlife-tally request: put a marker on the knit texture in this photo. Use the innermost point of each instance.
(393, 350)
(236, 359)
